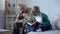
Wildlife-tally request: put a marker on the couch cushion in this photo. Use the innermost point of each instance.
(57, 24)
(46, 32)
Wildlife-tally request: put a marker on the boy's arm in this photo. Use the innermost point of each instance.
(47, 22)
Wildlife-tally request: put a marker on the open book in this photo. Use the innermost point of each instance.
(34, 24)
(36, 21)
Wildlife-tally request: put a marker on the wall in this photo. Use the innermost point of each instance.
(50, 7)
(2, 8)
(59, 4)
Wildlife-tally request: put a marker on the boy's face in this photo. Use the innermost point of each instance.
(36, 13)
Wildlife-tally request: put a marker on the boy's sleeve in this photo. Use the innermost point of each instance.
(47, 22)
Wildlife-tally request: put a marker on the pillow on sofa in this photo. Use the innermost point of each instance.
(57, 24)
(52, 21)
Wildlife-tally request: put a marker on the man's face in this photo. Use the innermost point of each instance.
(22, 8)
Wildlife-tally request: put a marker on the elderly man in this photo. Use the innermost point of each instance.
(21, 19)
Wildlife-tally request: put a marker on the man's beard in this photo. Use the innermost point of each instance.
(24, 11)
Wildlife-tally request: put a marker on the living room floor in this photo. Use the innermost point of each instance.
(3, 31)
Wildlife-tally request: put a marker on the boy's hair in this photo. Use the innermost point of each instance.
(36, 10)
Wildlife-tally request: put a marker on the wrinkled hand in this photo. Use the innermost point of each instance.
(19, 20)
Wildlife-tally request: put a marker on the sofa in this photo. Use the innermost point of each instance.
(4, 31)
(55, 23)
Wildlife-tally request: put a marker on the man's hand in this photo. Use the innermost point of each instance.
(19, 20)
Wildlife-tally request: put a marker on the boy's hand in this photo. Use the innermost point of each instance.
(30, 23)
